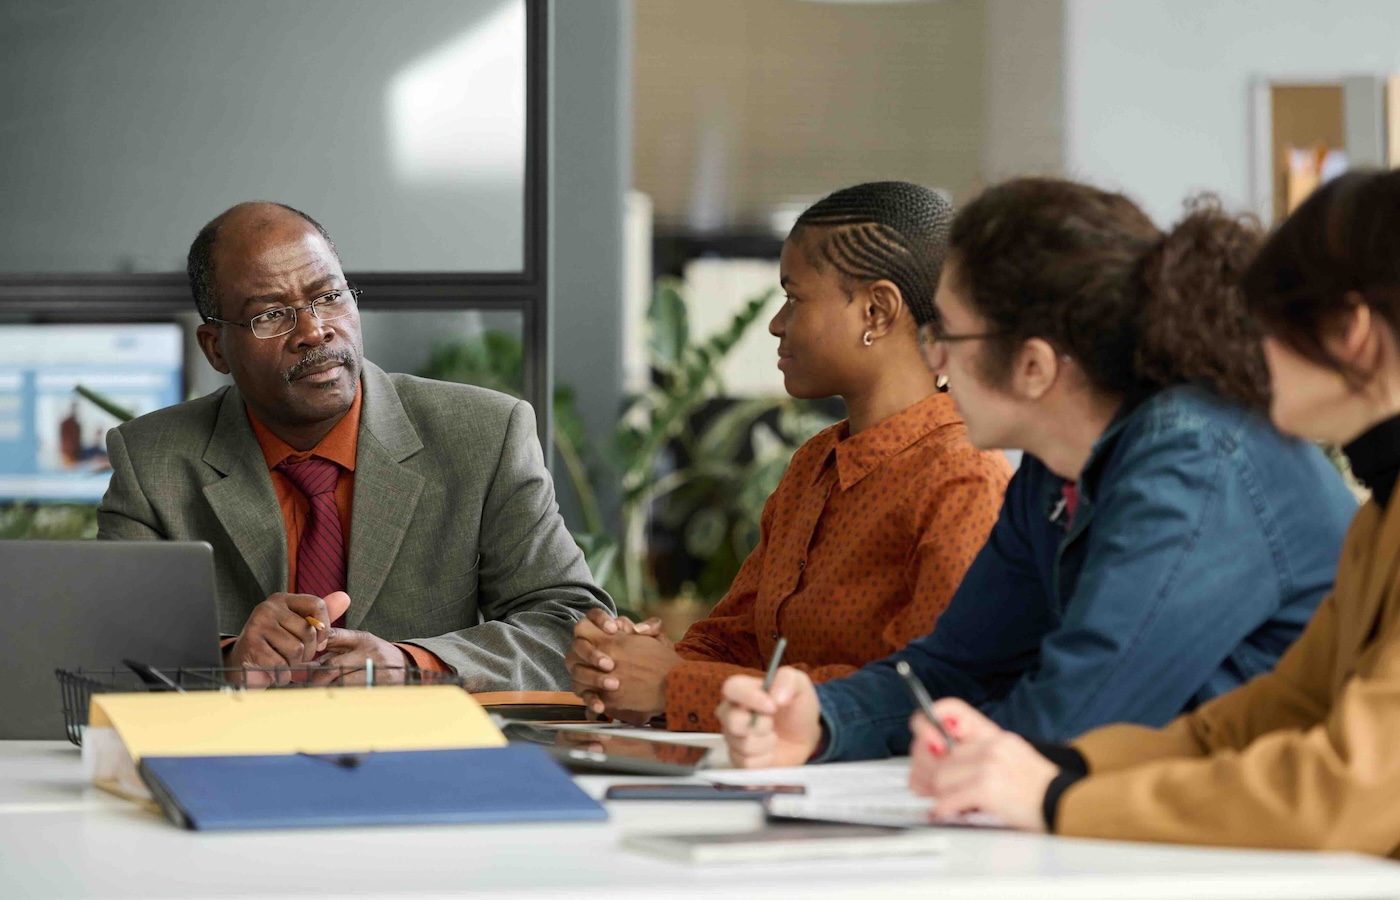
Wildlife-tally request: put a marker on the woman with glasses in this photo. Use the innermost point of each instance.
(876, 518)
(1161, 543)
(1305, 756)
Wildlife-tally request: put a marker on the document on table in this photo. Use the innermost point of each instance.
(124, 728)
(873, 793)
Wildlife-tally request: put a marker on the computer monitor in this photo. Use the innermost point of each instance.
(53, 440)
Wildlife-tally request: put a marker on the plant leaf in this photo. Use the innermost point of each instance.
(669, 325)
(728, 433)
(104, 403)
(706, 532)
(600, 553)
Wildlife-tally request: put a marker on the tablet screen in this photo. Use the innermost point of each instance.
(602, 747)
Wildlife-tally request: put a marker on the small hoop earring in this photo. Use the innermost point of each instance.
(866, 340)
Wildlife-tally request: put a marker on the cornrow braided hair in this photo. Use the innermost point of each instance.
(885, 230)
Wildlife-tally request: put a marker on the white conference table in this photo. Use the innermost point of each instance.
(62, 838)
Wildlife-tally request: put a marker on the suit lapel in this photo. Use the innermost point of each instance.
(386, 493)
(244, 500)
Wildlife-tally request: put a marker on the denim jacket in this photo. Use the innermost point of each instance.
(1201, 544)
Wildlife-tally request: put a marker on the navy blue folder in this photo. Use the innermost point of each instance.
(518, 783)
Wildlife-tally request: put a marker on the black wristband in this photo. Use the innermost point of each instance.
(823, 740)
(1073, 767)
(1064, 756)
(1050, 808)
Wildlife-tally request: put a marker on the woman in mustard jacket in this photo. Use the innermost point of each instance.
(1307, 756)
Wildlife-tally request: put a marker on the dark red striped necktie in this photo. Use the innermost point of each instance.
(321, 552)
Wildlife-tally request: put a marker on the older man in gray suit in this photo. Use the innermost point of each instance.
(318, 475)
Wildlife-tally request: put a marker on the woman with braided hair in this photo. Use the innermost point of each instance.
(867, 536)
(1161, 542)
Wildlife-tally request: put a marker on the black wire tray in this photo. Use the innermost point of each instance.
(78, 685)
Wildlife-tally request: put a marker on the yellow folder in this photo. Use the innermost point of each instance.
(305, 720)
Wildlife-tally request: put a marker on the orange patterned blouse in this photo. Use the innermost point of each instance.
(860, 550)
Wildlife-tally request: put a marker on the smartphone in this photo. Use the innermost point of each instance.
(700, 791)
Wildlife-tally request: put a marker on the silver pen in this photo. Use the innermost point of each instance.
(773, 664)
(921, 697)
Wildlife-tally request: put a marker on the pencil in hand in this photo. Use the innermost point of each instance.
(319, 626)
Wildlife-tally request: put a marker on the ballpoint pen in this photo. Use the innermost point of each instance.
(773, 664)
(916, 687)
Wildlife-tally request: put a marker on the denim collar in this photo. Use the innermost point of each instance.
(1087, 482)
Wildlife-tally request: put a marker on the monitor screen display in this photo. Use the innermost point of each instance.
(53, 440)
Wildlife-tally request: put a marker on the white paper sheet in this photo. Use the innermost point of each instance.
(875, 792)
(108, 765)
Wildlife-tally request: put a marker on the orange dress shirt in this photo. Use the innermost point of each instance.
(339, 446)
(860, 550)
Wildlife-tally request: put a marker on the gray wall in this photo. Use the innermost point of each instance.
(747, 108)
(591, 171)
(125, 125)
(1025, 47)
(1158, 91)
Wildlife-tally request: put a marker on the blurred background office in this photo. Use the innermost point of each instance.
(582, 201)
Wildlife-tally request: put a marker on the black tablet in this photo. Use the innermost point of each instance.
(598, 750)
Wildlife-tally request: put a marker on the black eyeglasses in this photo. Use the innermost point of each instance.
(931, 332)
(334, 304)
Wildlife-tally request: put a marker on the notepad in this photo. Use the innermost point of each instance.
(414, 787)
(215, 723)
(788, 842)
(874, 792)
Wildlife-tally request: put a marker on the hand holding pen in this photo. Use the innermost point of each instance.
(989, 770)
(773, 721)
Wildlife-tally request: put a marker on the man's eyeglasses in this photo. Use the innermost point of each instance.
(283, 320)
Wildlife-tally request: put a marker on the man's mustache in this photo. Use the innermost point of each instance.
(318, 357)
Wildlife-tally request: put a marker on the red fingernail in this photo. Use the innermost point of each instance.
(950, 721)
(936, 747)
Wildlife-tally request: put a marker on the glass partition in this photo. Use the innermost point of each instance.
(414, 132)
(401, 127)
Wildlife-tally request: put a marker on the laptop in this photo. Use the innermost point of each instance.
(89, 605)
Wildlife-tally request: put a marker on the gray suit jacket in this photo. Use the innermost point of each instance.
(454, 522)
